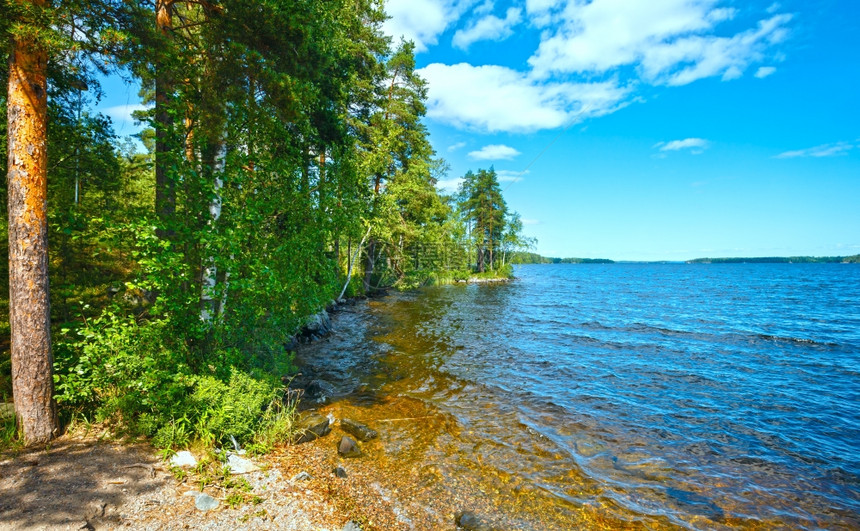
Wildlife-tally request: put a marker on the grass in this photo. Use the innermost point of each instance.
(11, 439)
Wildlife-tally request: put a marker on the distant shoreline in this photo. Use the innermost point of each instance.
(533, 258)
(855, 259)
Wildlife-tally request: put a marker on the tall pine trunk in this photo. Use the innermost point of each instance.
(165, 187)
(29, 308)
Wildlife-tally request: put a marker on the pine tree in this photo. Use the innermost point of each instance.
(29, 306)
(485, 209)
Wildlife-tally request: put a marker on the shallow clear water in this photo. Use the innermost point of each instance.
(658, 395)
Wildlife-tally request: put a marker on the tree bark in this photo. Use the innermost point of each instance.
(218, 153)
(29, 308)
(165, 187)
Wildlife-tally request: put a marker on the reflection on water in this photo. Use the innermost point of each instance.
(614, 395)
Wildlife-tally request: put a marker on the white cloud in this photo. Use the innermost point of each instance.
(449, 185)
(490, 27)
(722, 14)
(485, 8)
(604, 34)
(495, 98)
(494, 152)
(586, 47)
(764, 71)
(689, 59)
(825, 150)
(422, 21)
(542, 12)
(510, 176)
(455, 147)
(121, 114)
(696, 145)
(527, 221)
(668, 41)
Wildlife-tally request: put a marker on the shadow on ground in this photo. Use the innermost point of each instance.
(74, 484)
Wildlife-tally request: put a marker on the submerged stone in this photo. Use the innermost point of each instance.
(301, 476)
(472, 522)
(358, 430)
(340, 472)
(319, 391)
(348, 447)
(311, 426)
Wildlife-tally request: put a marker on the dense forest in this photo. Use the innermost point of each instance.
(286, 166)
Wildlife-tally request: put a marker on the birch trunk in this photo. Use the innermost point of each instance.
(209, 280)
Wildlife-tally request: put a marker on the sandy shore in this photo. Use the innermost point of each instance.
(87, 483)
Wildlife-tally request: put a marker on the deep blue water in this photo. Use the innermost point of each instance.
(701, 396)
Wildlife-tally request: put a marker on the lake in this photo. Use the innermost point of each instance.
(703, 396)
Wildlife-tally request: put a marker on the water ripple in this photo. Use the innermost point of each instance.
(658, 395)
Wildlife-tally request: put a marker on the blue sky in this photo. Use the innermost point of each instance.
(672, 129)
(647, 130)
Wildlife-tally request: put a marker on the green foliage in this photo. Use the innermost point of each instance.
(175, 434)
(416, 278)
(506, 271)
(484, 212)
(179, 473)
(231, 408)
(125, 374)
(11, 438)
(280, 132)
(5, 376)
(523, 257)
(276, 425)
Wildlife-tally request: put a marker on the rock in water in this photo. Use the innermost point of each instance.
(358, 430)
(318, 324)
(301, 476)
(340, 472)
(348, 447)
(319, 390)
(205, 502)
(471, 522)
(311, 426)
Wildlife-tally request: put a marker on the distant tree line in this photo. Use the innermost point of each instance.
(855, 259)
(523, 257)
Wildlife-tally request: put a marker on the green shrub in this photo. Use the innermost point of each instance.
(125, 374)
(231, 408)
(135, 379)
